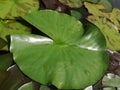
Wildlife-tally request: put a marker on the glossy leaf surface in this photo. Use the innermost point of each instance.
(14, 8)
(68, 58)
(108, 23)
(106, 4)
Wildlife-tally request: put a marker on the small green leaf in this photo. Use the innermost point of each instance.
(68, 58)
(106, 4)
(108, 23)
(2, 43)
(111, 80)
(6, 61)
(14, 8)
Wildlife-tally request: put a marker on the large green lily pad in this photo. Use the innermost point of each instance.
(71, 58)
(15, 8)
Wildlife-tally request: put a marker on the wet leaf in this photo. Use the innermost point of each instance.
(68, 58)
(107, 23)
(76, 3)
(6, 61)
(27, 86)
(106, 4)
(9, 27)
(111, 80)
(14, 8)
(2, 43)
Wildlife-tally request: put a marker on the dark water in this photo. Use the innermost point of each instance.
(115, 3)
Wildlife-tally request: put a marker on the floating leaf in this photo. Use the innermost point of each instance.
(108, 30)
(109, 88)
(72, 3)
(2, 43)
(14, 8)
(5, 61)
(12, 27)
(76, 14)
(76, 3)
(27, 86)
(68, 58)
(44, 88)
(104, 21)
(111, 80)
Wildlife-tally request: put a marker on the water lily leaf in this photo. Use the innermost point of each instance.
(14, 8)
(76, 14)
(27, 86)
(68, 58)
(9, 27)
(108, 30)
(72, 3)
(2, 43)
(97, 10)
(44, 88)
(106, 4)
(6, 61)
(107, 23)
(76, 3)
(111, 80)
